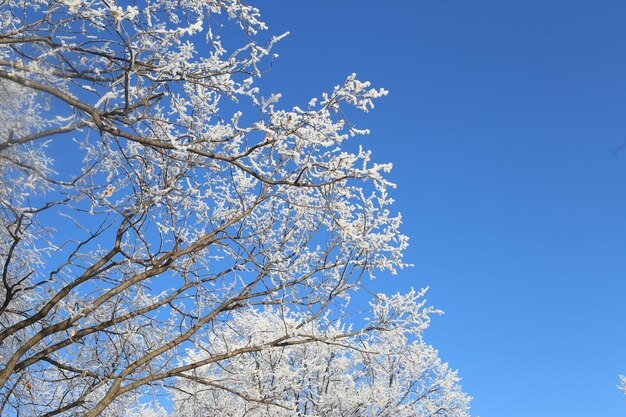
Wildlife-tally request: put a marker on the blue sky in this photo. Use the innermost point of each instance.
(504, 123)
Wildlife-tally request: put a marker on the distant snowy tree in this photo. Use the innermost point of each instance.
(372, 374)
(181, 202)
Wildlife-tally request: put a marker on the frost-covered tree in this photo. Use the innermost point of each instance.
(373, 374)
(152, 197)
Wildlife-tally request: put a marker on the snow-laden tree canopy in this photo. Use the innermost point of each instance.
(160, 217)
(375, 374)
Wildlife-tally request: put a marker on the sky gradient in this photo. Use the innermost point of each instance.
(505, 122)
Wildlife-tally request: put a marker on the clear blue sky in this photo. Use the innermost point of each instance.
(502, 123)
